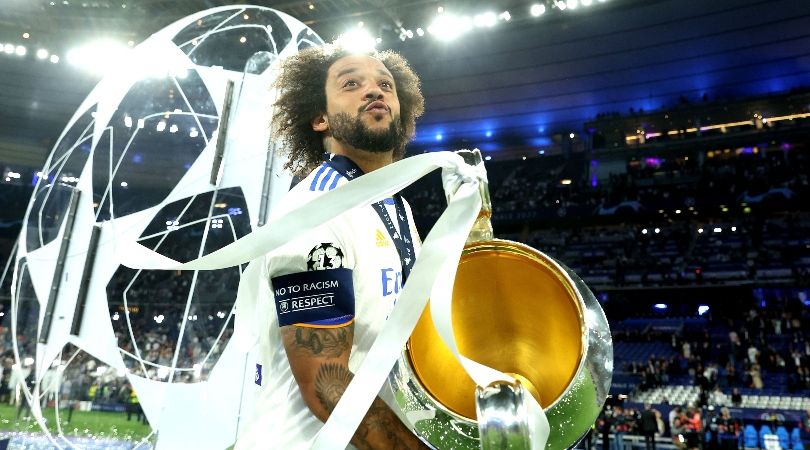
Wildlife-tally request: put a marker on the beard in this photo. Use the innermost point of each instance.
(352, 131)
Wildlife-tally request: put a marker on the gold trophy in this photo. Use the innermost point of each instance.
(519, 311)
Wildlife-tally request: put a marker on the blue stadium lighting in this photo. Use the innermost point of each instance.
(439, 136)
(661, 306)
(489, 133)
(703, 309)
(541, 152)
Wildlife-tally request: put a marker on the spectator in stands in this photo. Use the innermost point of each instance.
(728, 430)
(649, 426)
(620, 427)
(678, 431)
(736, 398)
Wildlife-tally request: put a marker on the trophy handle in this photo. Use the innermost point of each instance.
(503, 416)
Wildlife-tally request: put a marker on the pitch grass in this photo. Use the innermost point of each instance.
(113, 425)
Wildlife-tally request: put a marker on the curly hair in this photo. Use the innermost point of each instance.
(302, 96)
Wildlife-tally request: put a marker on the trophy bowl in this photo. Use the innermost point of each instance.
(519, 311)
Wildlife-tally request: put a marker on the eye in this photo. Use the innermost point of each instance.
(350, 83)
(387, 84)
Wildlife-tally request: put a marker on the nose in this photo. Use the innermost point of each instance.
(374, 93)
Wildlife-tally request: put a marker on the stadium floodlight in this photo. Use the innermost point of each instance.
(703, 309)
(54, 59)
(572, 4)
(644, 231)
(487, 19)
(42, 53)
(20, 50)
(9, 49)
(447, 27)
(99, 57)
(586, 2)
(718, 230)
(357, 41)
(661, 306)
(537, 10)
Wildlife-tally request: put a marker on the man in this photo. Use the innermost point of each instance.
(334, 288)
(649, 426)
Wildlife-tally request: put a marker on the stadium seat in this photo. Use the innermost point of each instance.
(796, 439)
(784, 437)
(763, 431)
(750, 437)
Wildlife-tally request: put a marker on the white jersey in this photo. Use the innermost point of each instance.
(281, 419)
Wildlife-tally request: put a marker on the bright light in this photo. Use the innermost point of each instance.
(541, 152)
(141, 123)
(657, 230)
(193, 133)
(26, 35)
(420, 32)
(357, 41)
(560, 5)
(243, 39)
(99, 57)
(487, 19)
(572, 4)
(565, 181)
(489, 133)
(487, 157)
(116, 316)
(9, 48)
(733, 228)
(173, 128)
(28, 361)
(42, 53)
(700, 230)
(718, 230)
(20, 50)
(572, 135)
(12, 174)
(439, 136)
(124, 184)
(159, 318)
(586, 2)
(703, 309)
(161, 125)
(537, 10)
(677, 211)
(505, 16)
(447, 27)
(660, 306)
(162, 371)
(54, 59)
(128, 121)
(644, 231)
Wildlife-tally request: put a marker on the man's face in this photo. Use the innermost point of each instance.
(362, 107)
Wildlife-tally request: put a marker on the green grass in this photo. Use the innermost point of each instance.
(83, 424)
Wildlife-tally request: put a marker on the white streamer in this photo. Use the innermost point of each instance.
(439, 255)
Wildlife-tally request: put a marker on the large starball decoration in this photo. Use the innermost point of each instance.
(173, 151)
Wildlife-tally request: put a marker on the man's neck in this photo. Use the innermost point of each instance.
(365, 160)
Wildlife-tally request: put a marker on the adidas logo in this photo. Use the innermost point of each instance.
(381, 240)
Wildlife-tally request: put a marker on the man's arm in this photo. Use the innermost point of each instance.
(319, 359)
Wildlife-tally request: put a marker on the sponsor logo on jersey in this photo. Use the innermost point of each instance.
(381, 239)
(325, 256)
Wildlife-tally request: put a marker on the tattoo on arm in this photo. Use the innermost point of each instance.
(330, 384)
(331, 342)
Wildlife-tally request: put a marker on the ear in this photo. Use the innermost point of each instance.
(320, 123)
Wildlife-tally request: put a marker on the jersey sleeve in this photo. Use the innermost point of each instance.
(311, 279)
